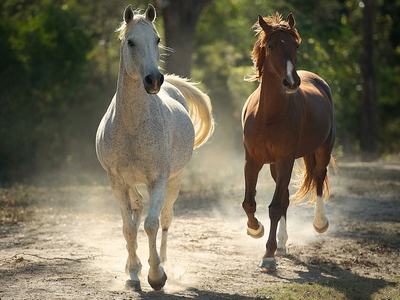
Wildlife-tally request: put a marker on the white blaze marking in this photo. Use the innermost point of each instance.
(289, 70)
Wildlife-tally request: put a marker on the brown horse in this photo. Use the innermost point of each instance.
(290, 115)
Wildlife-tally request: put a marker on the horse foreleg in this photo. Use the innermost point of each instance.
(157, 276)
(277, 211)
(251, 170)
(131, 207)
(282, 237)
(133, 265)
(323, 157)
(167, 214)
(282, 230)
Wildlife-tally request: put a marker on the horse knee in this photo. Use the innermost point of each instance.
(129, 234)
(151, 225)
(249, 208)
(275, 212)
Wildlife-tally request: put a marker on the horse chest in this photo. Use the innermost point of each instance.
(123, 147)
(152, 148)
(261, 144)
(270, 141)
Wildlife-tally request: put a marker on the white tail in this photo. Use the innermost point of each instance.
(200, 109)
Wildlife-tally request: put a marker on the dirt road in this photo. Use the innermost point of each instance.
(76, 253)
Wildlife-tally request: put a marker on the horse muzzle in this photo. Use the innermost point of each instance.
(291, 86)
(153, 82)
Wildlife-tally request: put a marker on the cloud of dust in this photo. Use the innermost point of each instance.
(216, 171)
(220, 167)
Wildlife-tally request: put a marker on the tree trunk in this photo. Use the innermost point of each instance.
(369, 120)
(180, 19)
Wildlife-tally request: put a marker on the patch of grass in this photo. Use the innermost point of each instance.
(378, 228)
(17, 203)
(354, 289)
(380, 234)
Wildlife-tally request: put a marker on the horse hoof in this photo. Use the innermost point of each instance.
(157, 284)
(323, 229)
(281, 251)
(256, 233)
(268, 265)
(133, 284)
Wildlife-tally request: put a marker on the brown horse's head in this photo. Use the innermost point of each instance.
(276, 50)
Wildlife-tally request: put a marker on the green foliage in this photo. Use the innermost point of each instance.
(57, 77)
(341, 68)
(354, 288)
(47, 47)
(331, 47)
(60, 61)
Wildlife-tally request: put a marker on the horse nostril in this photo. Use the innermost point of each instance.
(148, 80)
(285, 83)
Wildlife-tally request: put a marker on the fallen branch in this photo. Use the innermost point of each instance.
(54, 258)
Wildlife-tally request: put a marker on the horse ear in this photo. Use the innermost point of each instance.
(128, 14)
(150, 13)
(264, 24)
(290, 20)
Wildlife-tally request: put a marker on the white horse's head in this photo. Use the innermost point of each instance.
(139, 48)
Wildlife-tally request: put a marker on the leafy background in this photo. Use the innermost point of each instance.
(59, 63)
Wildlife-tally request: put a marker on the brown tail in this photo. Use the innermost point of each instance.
(307, 182)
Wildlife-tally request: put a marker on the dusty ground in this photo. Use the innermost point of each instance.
(79, 253)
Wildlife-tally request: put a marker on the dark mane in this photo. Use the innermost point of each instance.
(258, 53)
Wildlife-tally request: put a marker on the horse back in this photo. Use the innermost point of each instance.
(319, 122)
(174, 94)
(311, 82)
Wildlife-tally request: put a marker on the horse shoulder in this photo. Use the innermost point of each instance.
(105, 136)
(258, 136)
(251, 105)
(178, 127)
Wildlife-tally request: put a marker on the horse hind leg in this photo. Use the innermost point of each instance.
(167, 214)
(321, 222)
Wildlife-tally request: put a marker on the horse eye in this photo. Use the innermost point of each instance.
(158, 41)
(271, 47)
(131, 43)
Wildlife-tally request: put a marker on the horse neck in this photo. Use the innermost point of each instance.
(131, 97)
(273, 101)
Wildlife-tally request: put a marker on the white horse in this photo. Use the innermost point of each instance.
(146, 137)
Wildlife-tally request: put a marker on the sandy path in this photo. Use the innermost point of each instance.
(68, 254)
